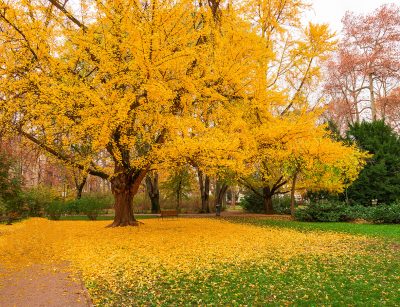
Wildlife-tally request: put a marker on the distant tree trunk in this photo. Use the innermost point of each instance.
(355, 102)
(80, 179)
(220, 192)
(79, 186)
(292, 198)
(124, 186)
(179, 196)
(233, 197)
(153, 191)
(372, 96)
(267, 200)
(204, 185)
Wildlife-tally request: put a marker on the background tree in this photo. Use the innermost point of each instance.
(301, 156)
(366, 67)
(204, 188)
(178, 185)
(389, 107)
(380, 178)
(292, 77)
(153, 191)
(220, 190)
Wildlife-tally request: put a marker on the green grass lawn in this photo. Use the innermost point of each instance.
(384, 231)
(361, 281)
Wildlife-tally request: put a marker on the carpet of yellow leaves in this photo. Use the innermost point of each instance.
(137, 255)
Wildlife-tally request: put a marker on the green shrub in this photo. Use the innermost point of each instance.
(3, 207)
(36, 200)
(324, 211)
(55, 209)
(92, 205)
(72, 207)
(358, 212)
(252, 202)
(281, 204)
(388, 214)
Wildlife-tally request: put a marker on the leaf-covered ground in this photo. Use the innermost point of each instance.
(208, 261)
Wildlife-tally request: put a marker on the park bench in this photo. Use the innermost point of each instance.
(168, 213)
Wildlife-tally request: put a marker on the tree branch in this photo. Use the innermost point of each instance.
(249, 186)
(68, 14)
(60, 156)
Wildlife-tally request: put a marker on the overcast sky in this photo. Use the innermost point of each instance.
(332, 11)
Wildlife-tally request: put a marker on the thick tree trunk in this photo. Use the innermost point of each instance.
(124, 186)
(267, 200)
(204, 185)
(292, 191)
(153, 192)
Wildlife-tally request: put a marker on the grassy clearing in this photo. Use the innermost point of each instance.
(384, 231)
(212, 262)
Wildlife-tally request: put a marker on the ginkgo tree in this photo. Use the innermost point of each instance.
(146, 85)
(295, 153)
(135, 82)
(281, 120)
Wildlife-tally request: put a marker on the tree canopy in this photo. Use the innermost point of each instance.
(118, 88)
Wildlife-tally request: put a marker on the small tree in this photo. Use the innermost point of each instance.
(380, 178)
(178, 185)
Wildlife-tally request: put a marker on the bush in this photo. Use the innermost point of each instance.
(92, 205)
(252, 202)
(72, 207)
(36, 200)
(3, 207)
(281, 204)
(388, 214)
(324, 211)
(358, 212)
(55, 209)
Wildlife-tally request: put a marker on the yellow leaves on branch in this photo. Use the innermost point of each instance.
(296, 144)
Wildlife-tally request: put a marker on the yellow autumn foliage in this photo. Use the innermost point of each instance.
(118, 88)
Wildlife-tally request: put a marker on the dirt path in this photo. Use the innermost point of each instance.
(40, 285)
